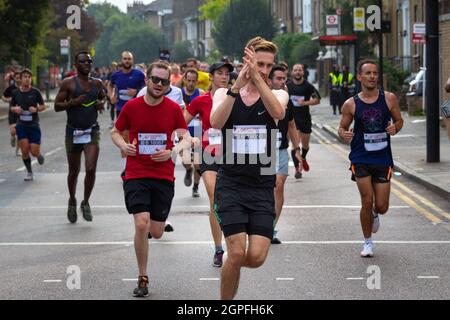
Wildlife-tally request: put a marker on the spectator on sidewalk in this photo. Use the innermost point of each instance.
(446, 109)
(335, 99)
(345, 81)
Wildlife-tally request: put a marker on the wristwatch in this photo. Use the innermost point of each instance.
(231, 93)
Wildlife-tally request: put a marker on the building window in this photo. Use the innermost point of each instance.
(444, 7)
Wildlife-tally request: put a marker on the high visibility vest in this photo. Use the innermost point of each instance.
(334, 80)
(341, 79)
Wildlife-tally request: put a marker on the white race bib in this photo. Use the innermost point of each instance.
(194, 123)
(214, 136)
(150, 143)
(124, 96)
(375, 141)
(249, 139)
(295, 102)
(26, 115)
(279, 139)
(82, 136)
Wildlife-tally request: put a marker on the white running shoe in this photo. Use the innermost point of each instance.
(376, 224)
(28, 177)
(368, 250)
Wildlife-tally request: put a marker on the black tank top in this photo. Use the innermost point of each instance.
(249, 136)
(84, 116)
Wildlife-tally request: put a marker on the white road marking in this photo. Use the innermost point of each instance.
(52, 281)
(419, 121)
(175, 208)
(399, 136)
(35, 161)
(122, 243)
(285, 279)
(355, 278)
(427, 277)
(209, 279)
(2, 180)
(126, 280)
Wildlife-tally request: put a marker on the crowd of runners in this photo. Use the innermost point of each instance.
(233, 127)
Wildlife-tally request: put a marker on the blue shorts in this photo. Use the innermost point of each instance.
(282, 162)
(30, 132)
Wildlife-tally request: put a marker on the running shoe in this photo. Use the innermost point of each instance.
(142, 289)
(29, 176)
(72, 212)
(217, 260)
(188, 178)
(13, 141)
(367, 250)
(86, 210)
(40, 159)
(305, 165)
(376, 224)
(168, 227)
(275, 240)
(298, 173)
(195, 193)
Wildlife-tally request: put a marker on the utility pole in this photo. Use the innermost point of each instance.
(432, 88)
(357, 56)
(380, 44)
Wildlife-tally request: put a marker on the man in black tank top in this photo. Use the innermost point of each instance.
(247, 114)
(377, 116)
(81, 97)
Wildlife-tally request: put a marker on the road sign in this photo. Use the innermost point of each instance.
(332, 22)
(359, 19)
(339, 11)
(64, 43)
(419, 33)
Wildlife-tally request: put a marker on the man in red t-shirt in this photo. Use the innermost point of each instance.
(211, 142)
(152, 122)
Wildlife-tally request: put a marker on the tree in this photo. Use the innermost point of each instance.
(212, 9)
(241, 21)
(182, 51)
(22, 28)
(296, 48)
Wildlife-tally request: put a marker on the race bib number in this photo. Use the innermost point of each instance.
(214, 136)
(150, 143)
(249, 139)
(295, 102)
(279, 139)
(375, 141)
(26, 115)
(82, 136)
(124, 96)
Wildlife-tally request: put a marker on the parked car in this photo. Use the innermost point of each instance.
(416, 84)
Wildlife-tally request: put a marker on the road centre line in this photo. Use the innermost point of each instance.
(427, 214)
(122, 243)
(52, 281)
(427, 277)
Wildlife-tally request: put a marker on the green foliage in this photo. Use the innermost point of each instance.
(212, 9)
(241, 21)
(296, 48)
(395, 77)
(181, 51)
(119, 33)
(22, 28)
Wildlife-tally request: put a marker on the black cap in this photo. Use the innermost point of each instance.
(218, 65)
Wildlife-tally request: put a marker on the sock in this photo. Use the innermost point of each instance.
(374, 213)
(367, 240)
(294, 159)
(219, 248)
(196, 185)
(27, 163)
(304, 153)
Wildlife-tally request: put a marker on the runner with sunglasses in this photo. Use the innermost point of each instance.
(81, 96)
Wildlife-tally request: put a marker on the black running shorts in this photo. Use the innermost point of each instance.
(240, 208)
(304, 124)
(149, 195)
(379, 174)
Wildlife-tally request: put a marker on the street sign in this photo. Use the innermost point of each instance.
(64, 51)
(359, 19)
(332, 22)
(64, 43)
(419, 33)
(339, 11)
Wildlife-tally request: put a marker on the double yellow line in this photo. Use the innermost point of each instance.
(426, 208)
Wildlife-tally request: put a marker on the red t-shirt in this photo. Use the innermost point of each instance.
(211, 138)
(151, 128)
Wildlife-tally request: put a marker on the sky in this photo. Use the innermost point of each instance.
(122, 4)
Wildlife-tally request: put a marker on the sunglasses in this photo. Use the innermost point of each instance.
(85, 61)
(156, 80)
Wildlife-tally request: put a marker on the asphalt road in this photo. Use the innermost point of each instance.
(41, 252)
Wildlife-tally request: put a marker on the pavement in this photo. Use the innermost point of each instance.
(408, 148)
